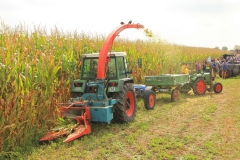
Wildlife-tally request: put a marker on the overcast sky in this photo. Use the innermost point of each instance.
(198, 23)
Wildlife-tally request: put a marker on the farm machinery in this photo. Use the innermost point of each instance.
(202, 82)
(104, 93)
(172, 84)
(233, 65)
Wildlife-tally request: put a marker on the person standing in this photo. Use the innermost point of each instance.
(204, 65)
(215, 68)
(198, 67)
(224, 68)
(184, 69)
(218, 63)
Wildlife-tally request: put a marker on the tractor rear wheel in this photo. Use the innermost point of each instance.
(199, 86)
(125, 108)
(174, 95)
(217, 87)
(149, 97)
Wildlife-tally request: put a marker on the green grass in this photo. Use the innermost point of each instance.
(194, 128)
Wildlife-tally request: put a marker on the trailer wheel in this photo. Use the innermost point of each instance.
(174, 95)
(199, 86)
(149, 97)
(217, 87)
(125, 108)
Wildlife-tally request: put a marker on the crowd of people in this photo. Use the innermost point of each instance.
(217, 64)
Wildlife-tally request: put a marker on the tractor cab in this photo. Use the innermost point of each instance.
(116, 68)
(116, 74)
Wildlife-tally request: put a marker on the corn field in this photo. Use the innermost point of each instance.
(36, 68)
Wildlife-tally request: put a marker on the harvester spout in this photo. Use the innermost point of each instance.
(107, 44)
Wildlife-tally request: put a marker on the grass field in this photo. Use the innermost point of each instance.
(195, 127)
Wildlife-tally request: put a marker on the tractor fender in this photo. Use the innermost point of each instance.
(194, 79)
(149, 88)
(143, 87)
(123, 81)
(120, 85)
(197, 76)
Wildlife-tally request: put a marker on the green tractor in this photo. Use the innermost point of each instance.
(118, 86)
(202, 82)
(104, 92)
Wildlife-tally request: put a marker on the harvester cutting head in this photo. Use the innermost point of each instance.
(73, 131)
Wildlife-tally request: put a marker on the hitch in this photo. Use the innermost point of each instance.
(81, 128)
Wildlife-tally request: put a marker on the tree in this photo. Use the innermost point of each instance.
(216, 47)
(224, 48)
(237, 47)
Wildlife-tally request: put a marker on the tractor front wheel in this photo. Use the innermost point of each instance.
(199, 86)
(125, 108)
(217, 87)
(149, 97)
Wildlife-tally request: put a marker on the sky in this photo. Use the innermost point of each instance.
(197, 23)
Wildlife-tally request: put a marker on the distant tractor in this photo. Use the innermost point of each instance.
(233, 65)
(202, 82)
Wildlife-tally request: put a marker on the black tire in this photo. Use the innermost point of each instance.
(217, 87)
(220, 73)
(149, 97)
(174, 95)
(199, 86)
(228, 75)
(235, 71)
(125, 109)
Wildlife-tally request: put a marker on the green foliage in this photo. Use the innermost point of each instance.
(224, 48)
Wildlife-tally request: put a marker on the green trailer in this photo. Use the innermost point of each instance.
(199, 83)
(168, 83)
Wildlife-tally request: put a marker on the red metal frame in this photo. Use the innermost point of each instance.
(83, 123)
(106, 46)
